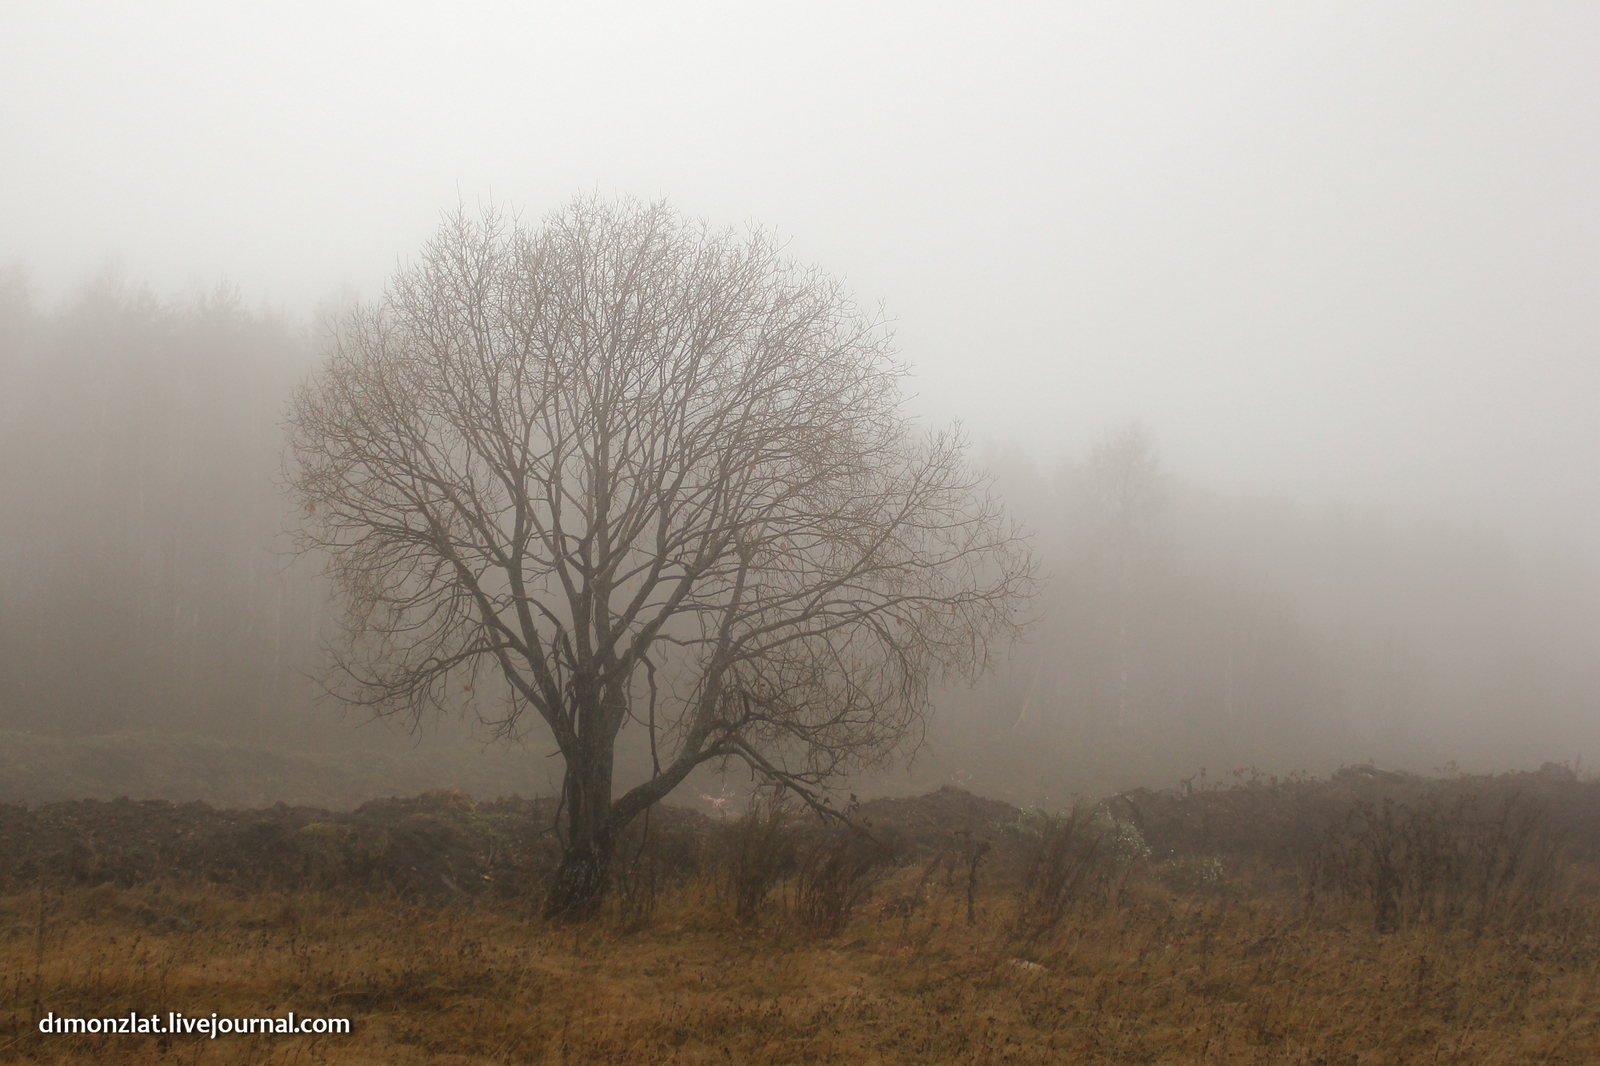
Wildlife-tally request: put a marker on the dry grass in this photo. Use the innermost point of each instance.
(1237, 971)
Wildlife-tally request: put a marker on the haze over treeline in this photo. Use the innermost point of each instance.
(146, 584)
(1182, 628)
(143, 585)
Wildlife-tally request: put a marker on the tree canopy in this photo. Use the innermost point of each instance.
(633, 470)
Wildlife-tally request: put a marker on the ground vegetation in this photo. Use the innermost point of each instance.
(1181, 928)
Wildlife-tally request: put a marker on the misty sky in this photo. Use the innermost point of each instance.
(1341, 250)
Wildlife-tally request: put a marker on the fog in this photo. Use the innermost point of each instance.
(1307, 295)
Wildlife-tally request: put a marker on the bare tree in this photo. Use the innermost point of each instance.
(646, 473)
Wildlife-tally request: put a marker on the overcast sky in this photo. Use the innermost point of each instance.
(1341, 250)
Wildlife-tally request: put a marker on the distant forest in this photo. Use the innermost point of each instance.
(1180, 628)
(143, 583)
(146, 584)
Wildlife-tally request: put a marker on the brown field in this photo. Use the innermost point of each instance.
(1071, 955)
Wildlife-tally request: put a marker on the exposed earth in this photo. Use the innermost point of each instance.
(442, 844)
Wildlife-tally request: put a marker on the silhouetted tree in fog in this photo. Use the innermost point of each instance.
(642, 472)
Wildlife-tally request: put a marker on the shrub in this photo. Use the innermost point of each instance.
(1442, 855)
(649, 858)
(756, 852)
(1186, 873)
(837, 873)
(1065, 855)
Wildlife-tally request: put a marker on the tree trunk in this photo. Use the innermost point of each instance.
(580, 882)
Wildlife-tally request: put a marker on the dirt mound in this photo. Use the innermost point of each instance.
(438, 844)
(1283, 821)
(918, 824)
(442, 845)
